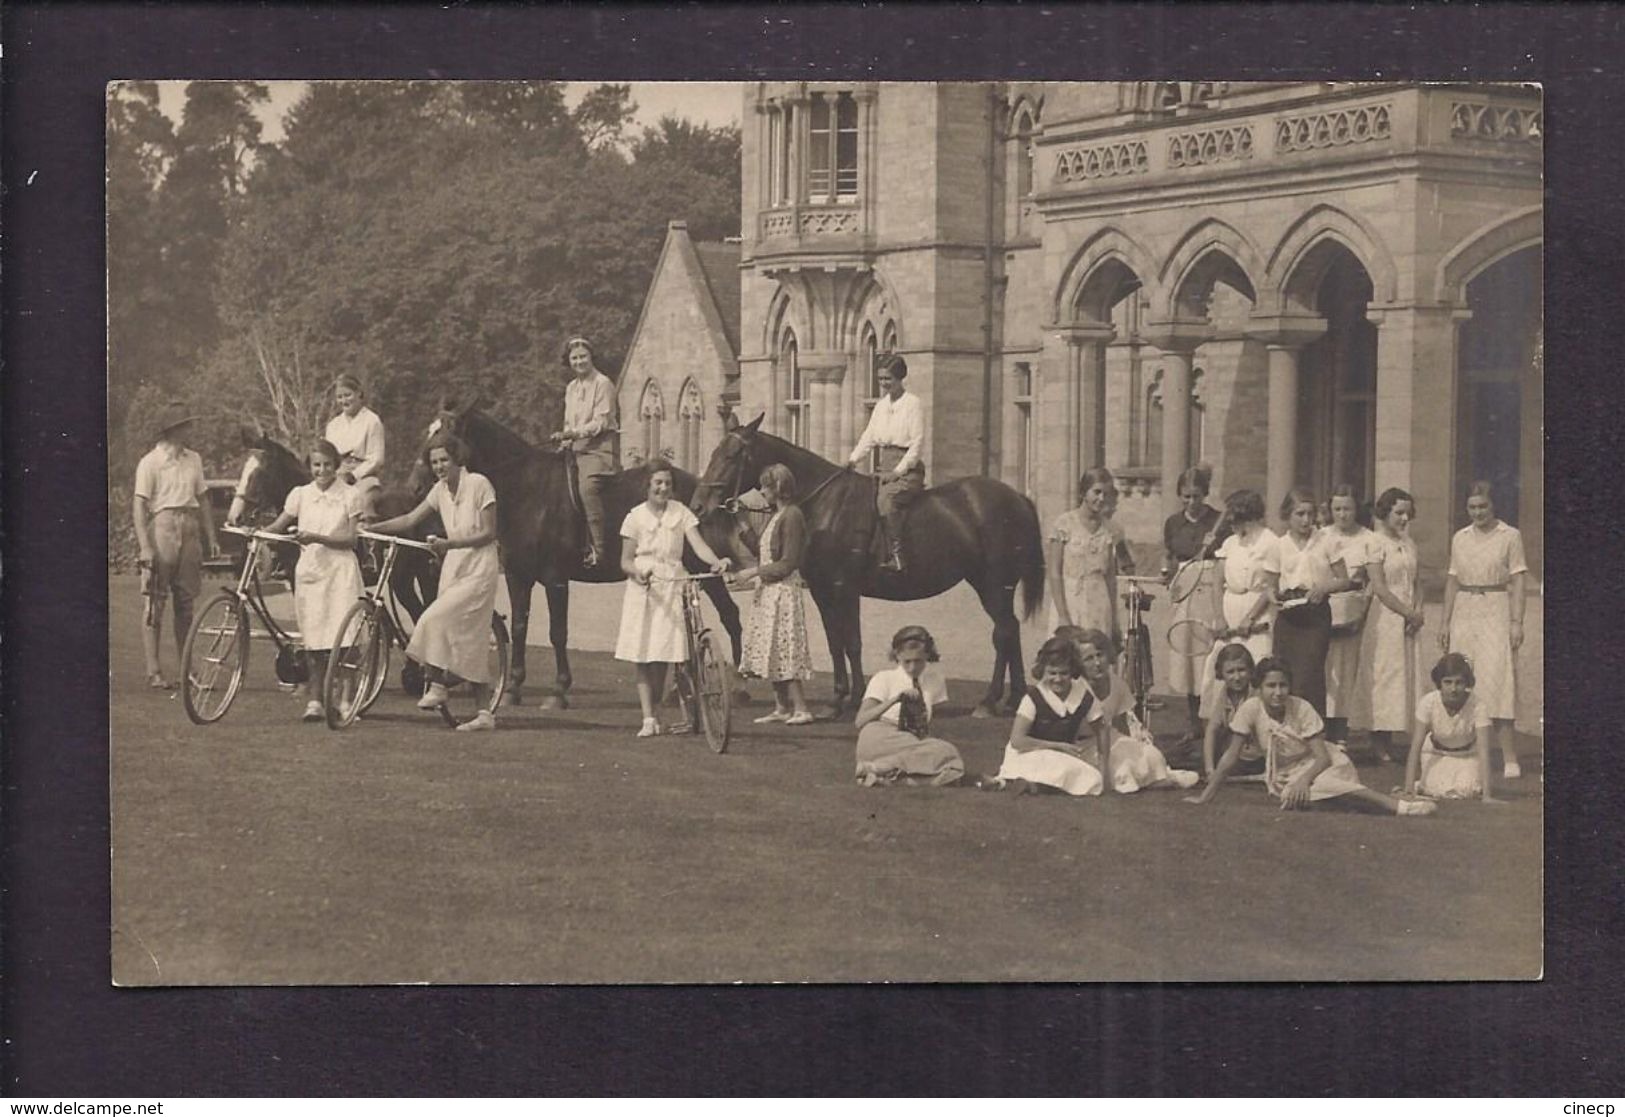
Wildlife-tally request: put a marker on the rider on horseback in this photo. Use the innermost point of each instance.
(593, 434)
(896, 429)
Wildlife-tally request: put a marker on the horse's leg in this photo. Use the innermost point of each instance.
(829, 611)
(558, 634)
(518, 629)
(853, 614)
(999, 604)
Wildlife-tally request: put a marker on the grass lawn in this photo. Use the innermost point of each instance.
(560, 849)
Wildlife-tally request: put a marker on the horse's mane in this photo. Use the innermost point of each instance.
(503, 438)
(797, 457)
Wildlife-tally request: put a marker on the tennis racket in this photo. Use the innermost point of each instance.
(1187, 579)
(1191, 637)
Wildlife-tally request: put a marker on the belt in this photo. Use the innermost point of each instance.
(177, 511)
(1502, 588)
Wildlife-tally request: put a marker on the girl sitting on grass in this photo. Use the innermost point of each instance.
(895, 714)
(1299, 766)
(1234, 670)
(1045, 748)
(1133, 759)
(1450, 754)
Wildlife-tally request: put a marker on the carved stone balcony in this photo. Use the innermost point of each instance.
(814, 226)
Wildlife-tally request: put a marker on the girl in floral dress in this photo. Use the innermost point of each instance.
(775, 646)
(1083, 560)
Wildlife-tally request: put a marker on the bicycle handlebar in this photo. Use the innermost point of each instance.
(400, 540)
(256, 533)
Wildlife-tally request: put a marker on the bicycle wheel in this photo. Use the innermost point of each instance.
(713, 681)
(496, 659)
(214, 658)
(355, 666)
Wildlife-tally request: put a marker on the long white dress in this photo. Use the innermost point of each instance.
(327, 581)
(455, 632)
(1481, 623)
(1245, 564)
(652, 616)
(1135, 760)
(1343, 653)
(1390, 669)
(1449, 763)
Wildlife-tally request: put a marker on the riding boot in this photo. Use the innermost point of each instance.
(895, 561)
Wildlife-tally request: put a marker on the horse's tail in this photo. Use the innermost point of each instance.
(1032, 566)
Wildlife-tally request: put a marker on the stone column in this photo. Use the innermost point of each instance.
(824, 370)
(1010, 428)
(1284, 337)
(1416, 418)
(1178, 339)
(1071, 410)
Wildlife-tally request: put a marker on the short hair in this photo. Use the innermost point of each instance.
(1073, 632)
(893, 365)
(583, 342)
(1059, 651)
(1295, 497)
(780, 479)
(659, 467)
(1483, 489)
(1389, 498)
(915, 634)
(323, 446)
(1244, 506)
(1099, 475)
(1233, 653)
(1196, 479)
(444, 439)
(1268, 664)
(351, 381)
(1456, 664)
(1344, 490)
(1097, 639)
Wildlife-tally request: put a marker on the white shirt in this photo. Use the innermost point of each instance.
(898, 423)
(360, 441)
(169, 477)
(886, 685)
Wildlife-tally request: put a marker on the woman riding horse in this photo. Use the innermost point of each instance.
(543, 535)
(974, 530)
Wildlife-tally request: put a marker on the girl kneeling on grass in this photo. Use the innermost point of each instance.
(1133, 759)
(1046, 746)
(1234, 669)
(1299, 766)
(895, 714)
(327, 580)
(1450, 754)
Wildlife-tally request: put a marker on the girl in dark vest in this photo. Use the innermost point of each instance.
(1057, 738)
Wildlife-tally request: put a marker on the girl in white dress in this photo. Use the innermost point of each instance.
(327, 580)
(1131, 755)
(1450, 753)
(358, 434)
(1345, 542)
(1483, 612)
(1389, 670)
(1249, 572)
(652, 633)
(453, 636)
(1299, 766)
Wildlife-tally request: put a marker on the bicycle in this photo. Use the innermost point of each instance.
(214, 658)
(704, 682)
(1138, 673)
(359, 662)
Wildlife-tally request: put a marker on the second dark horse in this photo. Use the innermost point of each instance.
(540, 531)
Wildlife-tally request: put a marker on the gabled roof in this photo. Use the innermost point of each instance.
(720, 263)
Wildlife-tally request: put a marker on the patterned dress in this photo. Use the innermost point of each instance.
(775, 646)
(1089, 573)
(1483, 563)
(1390, 668)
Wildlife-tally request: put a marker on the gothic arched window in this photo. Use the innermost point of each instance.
(651, 412)
(690, 416)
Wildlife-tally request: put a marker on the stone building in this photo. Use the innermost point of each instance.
(1295, 282)
(684, 356)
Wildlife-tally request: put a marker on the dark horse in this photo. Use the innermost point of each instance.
(974, 530)
(542, 532)
(272, 471)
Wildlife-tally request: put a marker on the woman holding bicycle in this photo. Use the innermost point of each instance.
(328, 579)
(652, 633)
(452, 636)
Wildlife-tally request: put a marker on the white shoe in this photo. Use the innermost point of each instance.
(1184, 778)
(1416, 807)
(1510, 770)
(651, 728)
(775, 716)
(433, 698)
(313, 711)
(480, 722)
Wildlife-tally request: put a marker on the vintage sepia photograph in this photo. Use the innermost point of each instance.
(611, 532)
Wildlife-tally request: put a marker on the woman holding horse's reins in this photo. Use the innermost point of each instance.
(452, 636)
(652, 633)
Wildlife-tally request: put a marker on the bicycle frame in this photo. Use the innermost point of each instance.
(248, 589)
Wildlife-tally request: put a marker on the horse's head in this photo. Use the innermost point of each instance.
(731, 470)
(451, 414)
(270, 472)
(730, 536)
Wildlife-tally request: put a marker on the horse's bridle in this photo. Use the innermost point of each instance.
(734, 506)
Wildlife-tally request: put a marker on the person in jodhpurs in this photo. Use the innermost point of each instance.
(594, 437)
(172, 525)
(896, 429)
